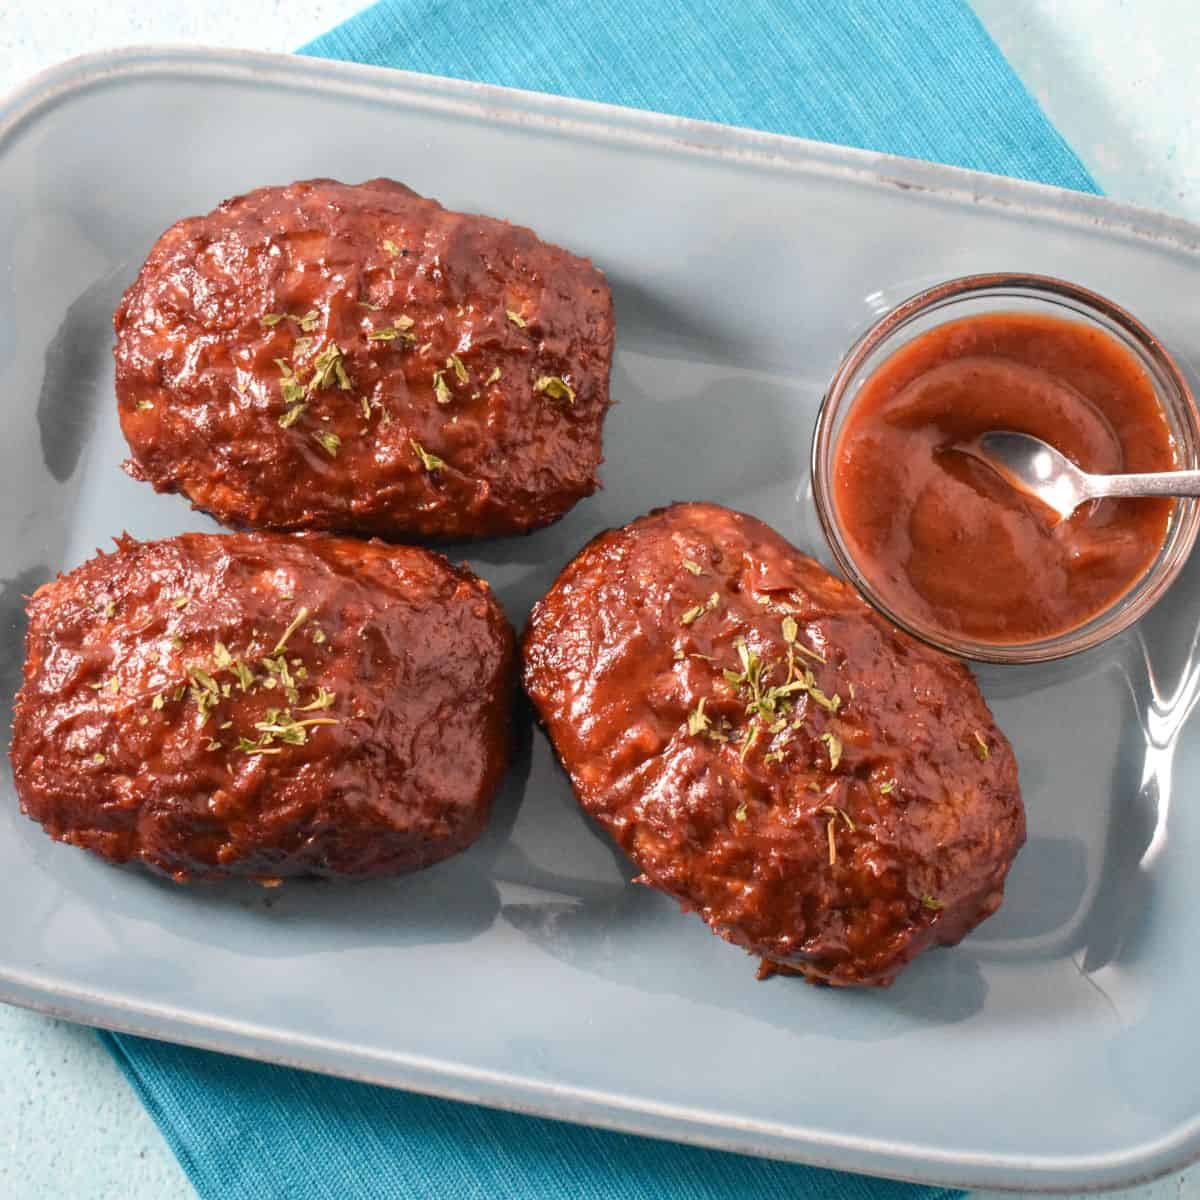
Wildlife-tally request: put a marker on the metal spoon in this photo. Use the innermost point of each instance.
(1035, 467)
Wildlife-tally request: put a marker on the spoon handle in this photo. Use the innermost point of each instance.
(1159, 483)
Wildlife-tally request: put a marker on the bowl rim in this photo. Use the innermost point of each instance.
(1183, 525)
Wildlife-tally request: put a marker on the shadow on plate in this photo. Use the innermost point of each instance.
(452, 901)
(13, 623)
(636, 937)
(78, 365)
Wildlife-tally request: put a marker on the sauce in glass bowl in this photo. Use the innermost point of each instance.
(939, 536)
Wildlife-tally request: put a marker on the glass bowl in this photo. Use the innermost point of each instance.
(973, 295)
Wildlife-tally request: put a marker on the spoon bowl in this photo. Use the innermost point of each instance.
(1038, 470)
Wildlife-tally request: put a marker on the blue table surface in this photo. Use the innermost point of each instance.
(1118, 78)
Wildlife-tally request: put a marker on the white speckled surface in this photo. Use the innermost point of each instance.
(1118, 78)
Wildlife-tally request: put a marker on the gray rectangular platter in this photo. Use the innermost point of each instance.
(1055, 1048)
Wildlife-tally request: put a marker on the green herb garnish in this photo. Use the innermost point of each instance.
(329, 442)
(763, 701)
(307, 323)
(293, 625)
(493, 376)
(932, 904)
(809, 653)
(834, 743)
(750, 740)
(556, 388)
(262, 746)
(697, 721)
(144, 406)
(769, 704)
(329, 367)
(840, 812)
(292, 415)
(982, 752)
(322, 699)
(203, 690)
(281, 725)
(441, 389)
(460, 370)
(398, 329)
(699, 610)
(430, 462)
(829, 703)
(292, 390)
(694, 567)
(279, 675)
(515, 318)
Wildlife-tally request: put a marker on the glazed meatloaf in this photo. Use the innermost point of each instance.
(821, 789)
(264, 706)
(357, 358)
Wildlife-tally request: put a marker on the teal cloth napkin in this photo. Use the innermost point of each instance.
(913, 77)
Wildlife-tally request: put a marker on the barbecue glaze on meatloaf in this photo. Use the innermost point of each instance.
(263, 705)
(359, 359)
(820, 788)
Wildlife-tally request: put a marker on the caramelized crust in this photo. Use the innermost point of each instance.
(357, 358)
(820, 788)
(263, 705)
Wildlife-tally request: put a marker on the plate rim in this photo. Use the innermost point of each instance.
(492, 104)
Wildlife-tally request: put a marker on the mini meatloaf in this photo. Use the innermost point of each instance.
(359, 359)
(821, 789)
(263, 706)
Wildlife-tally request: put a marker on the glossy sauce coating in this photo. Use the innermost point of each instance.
(261, 706)
(942, 537)
(820, 788)
(357, 358)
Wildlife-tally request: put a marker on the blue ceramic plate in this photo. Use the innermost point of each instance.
(1056, 1047)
